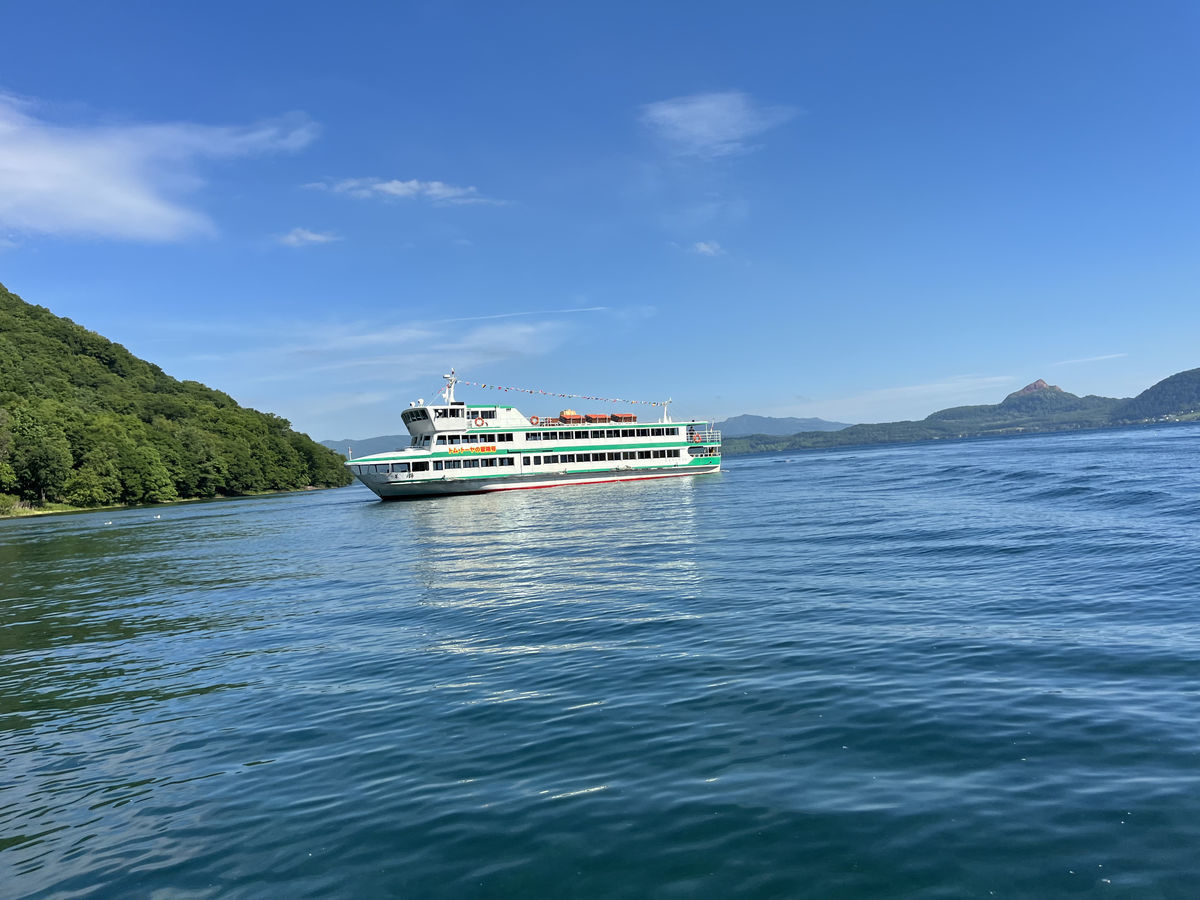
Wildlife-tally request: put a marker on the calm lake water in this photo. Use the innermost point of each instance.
(945, 671)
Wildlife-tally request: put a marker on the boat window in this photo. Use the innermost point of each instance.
(537, 460)
(656, 432)
(487, 439)
(482, 414)
(507, 461)
(420, 467)
(628, 454)
(399, 467)
(583, 457)
(569, 458)
(533, 436)
(597, 434)
(441, 440)
(551, 460)
(489, 463)
(674, 431)
(454, 464)
(455, 439)
(643, 454)
(506, 437)
(613, 432)
(437, 465)
(626, 432)
(470, 463)
(643, 432)
(548, 435)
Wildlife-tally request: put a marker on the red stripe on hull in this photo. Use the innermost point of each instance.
(536, 487)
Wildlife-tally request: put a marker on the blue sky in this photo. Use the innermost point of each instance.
(863, 211)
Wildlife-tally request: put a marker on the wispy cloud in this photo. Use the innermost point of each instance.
(712, 125)
(124, 182)
(707, 248)
(1089, 359)
(531, 312)
(437, 192)
(302, 237)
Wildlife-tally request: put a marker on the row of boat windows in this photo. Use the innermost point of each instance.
(457, 412)
(600, 433)
(493, 462)
(454, 440)
(598, 457)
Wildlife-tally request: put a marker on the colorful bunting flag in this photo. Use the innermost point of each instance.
(497, 387)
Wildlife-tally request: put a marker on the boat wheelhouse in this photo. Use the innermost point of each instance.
(460, 448)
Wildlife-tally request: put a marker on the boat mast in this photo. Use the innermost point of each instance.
(448, 392)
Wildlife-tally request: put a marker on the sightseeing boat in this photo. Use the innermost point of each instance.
(460, 448)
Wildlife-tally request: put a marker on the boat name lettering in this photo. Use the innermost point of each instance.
(487, 448)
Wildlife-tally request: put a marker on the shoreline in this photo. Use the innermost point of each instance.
(58, 509)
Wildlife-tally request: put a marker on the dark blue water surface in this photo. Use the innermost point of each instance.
(943, 671)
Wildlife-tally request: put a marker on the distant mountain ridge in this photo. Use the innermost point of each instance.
(1037, 407)
(367, 446)
(738, 426)
(733, 427)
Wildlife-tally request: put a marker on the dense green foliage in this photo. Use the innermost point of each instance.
(1023, 412)
(1174, 396)
(85, 422)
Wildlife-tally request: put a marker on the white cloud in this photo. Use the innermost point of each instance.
(708, 248)
(437, 192)
(122, 182)
(301, 237)
(711, 125)
(1072, 362)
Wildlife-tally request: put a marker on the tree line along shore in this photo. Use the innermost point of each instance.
(85, 423)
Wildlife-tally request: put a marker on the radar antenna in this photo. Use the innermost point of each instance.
(448, 390)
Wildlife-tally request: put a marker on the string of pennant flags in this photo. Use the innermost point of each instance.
(537, 393)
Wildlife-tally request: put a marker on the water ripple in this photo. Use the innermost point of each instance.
(957, 670)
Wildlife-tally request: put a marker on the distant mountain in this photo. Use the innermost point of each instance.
(739, 426)
(1178, 395)
(367, 446)
(1037, 407)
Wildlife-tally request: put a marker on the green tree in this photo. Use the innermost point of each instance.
(41, 457)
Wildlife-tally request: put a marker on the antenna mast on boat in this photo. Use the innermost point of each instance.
(448, 393)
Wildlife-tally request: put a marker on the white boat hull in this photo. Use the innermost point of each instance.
(393, 487)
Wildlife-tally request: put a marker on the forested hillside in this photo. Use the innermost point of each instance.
(85, 422)
(1174, 396)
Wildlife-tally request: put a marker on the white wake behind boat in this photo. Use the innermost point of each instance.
(460, 448)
